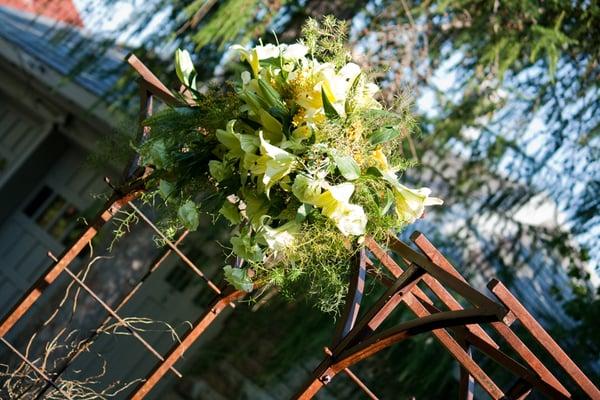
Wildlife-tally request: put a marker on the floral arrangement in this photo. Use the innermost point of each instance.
(297, 155)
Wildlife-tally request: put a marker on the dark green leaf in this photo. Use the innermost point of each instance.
(373, 171)
(165, 189)
(219, 170)
(244, 247)
(156, 154)
(330, 111)
(383, 135)
(230, 211)
(303, 212)
(270, 95)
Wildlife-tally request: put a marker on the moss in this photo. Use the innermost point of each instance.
(316, 266)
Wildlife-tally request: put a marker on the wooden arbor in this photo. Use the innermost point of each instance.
(458, 329)
(356, 338)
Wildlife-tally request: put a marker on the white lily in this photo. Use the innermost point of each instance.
(410, 203)
(294, 51)
(267, 51)
(306, 190)
(248, 55)
(337, 84)
(350, 219)
(282, 237)
(279, 163)
(263, 52)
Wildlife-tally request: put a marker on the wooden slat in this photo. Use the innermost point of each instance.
(543, 338)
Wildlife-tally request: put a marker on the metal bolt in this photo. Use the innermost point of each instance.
(325, 379)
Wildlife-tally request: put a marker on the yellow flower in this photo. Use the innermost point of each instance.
(409, 203)
(336, 85)
(302, 132)
(279, 163)
(350, 219)
(380, 160)
(255, 54)
(263, 52)
(334, 203)
(306, 190)
(282, 237)
(248, 55)
(299, 118)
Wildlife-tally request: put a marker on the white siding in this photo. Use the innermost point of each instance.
(19, 136)
(46, 220)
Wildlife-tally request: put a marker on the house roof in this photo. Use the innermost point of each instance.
(58, 10)
(65, 48)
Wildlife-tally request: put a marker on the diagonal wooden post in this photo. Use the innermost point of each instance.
(200, 326)
(32, 295)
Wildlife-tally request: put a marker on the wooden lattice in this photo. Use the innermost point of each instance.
(459, 330)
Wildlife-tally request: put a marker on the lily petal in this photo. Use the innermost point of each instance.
(279, 163)
(282, 237)
(410, 203)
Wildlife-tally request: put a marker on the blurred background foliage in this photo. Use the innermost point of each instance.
(508, 98)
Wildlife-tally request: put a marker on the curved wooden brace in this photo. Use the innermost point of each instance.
(408, 329)
(382, 308)
(353, 297)
(503, 330)
(415, 302)
(436, 287)
(332, 366)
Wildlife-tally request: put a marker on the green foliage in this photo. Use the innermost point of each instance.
(347, 166)
(383, 135)
(123, 222)
(327, 40)
(551, 41)
(281, 159)
(512, 34)
(232, 21)
(238, 278)
(188, 215)
(316, 267)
